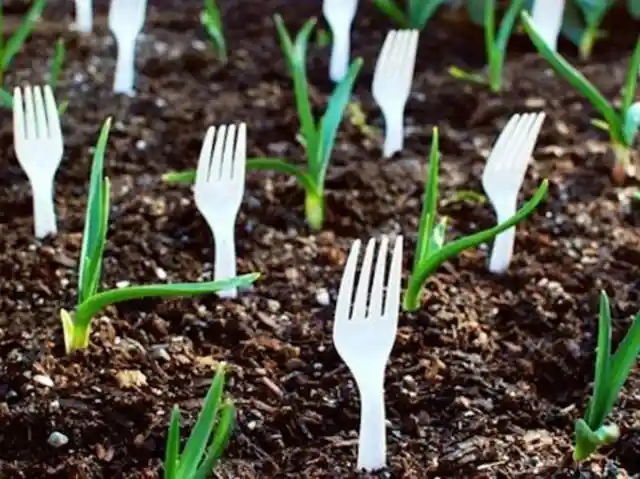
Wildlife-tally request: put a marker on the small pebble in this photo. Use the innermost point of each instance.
(322, 297)
(57, 439)
(43, 380)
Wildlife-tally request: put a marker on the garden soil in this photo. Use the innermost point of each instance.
(485, 380)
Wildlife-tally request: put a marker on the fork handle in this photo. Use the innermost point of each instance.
(502, 251)
(124, 79)
(372, 441)
(44, 214)
(84, 16)
(393, 132)
(225, 261)
(340, 50)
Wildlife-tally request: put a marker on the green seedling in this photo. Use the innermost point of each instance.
(593, 13)
(56, 64)
(212, 22)
(416, 14)
(208, 438)
(76, 325)
(611, 372)
(431, 248)
(10, 48)
(318, 136)
(495, 47)
(623, 123)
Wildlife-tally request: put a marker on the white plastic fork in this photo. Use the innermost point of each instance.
(84, 16)
(364, 331)
(339, 15)
(503, 176)
(391, 86)
(218, 191)
(37, 140)
(126, 19)
(547, 16)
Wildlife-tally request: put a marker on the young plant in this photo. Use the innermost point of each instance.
(76, 325)
(318, 137)
(593, 13)
(431, 248)
(611, 372)
(12, 46)
(623, 123)
(212, 23)
(495, 47)
(416, 14)
(208, 438)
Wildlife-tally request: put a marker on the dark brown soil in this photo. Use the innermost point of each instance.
(485, 381)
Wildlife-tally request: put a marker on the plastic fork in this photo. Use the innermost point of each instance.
(126, 19)
(547, 18)
(218, 192)
(364, 331)
(339, 15)
(392, 80)
(37, 140)
(84, 16)
(503, 177)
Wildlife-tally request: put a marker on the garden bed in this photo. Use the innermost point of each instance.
(485, 380)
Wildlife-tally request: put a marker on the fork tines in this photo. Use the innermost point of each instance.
(368, 301)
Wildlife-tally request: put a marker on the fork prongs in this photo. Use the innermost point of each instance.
(368, 302)
(515, 144)
(223, 154)
(392, 84)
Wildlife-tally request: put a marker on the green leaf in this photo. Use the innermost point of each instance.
(14, 44)
(330, 122)
(594, 11)
(184, 177)
(212, 23)
(281, 166)
(631, 82)
(253, 164)
(172, 448)
(631, 123)
(595, 414)
(634, 8)
(56, 64)
(420, 11)
(476, 10)
(393, 11)
(296, 57)
(219, 441)
(87, 310)
(96, 221)
(420, 275)
(572, 23)
(460, 74)
(499, 48)
(622, 362)
(429, 204)
(438, 236)
(199, 438)
(576, 79)
(6, 98)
